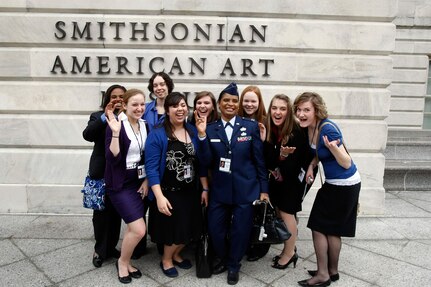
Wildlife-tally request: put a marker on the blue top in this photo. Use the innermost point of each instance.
(151, 116)
(156, 147)
(330, 165)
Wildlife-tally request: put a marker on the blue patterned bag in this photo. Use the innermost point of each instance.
(94, 193)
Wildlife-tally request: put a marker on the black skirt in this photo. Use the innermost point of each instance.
(185, 223)
(334, 210)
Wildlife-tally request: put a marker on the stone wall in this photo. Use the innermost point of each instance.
(411, 62)
(340, 49)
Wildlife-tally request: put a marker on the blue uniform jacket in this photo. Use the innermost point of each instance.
(248, 175)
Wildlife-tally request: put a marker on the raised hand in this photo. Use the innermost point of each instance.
(201, 124)
(331, 144)
(286, 150)
(262, 130)
(113, 122)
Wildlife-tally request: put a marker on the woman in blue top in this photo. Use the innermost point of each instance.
(334, 210)
(160, 85)
(172, 171)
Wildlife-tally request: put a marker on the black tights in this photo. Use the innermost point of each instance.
(327, 248)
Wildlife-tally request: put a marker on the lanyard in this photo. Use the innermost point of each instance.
(140, 143)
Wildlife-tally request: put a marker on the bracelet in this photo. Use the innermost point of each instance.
(284, 155)
(115, 137)
(205, 189)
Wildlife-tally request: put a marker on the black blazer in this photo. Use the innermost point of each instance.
(95, 132)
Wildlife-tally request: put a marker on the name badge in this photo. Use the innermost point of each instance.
(187, 171)
(141, 172)
(215, 140)
(224, 165)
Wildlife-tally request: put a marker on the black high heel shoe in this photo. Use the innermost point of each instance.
(333, 277)
(293, 260)
(304, 283)
(125, 279)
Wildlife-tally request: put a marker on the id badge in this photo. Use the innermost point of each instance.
(224, 164)
(301, 175)
(187, 171)
(141, 171)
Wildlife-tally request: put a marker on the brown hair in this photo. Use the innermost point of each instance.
(288, 126)
(213, 116)
(260, 114)
(130, 93)
(316, 100)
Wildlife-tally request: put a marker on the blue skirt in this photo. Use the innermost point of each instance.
(128, 201)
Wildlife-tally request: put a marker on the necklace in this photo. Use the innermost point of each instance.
(140, 143)
(312, 137)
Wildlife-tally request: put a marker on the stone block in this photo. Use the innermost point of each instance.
(408, 89)
(15, 62)
(401, 119)
(363, 135)
(279, 34)
(410, 76)
(411, 61)
(287, 67)
(62, 199)
(13, 198)
(43, 130)
(407, 105)
(413, 34)
(43, 166)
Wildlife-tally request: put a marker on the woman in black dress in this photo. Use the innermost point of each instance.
(285, 149)
(172, 171)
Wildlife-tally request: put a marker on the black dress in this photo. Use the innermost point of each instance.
(287, 194)
(179, 186)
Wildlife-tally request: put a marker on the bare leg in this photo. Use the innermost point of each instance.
(134, 233)
(334, 248)
(320, 241)
(168, 254)
(289, 245)
(176, 256)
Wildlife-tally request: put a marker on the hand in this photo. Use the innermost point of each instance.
(309, 177)
(262, 130)
(164, 206)
(201, 123)
(143, 189)
(277, 174)
(286, 150)
(330, 144)
(113, 122)
(264, 197)
(204, 198)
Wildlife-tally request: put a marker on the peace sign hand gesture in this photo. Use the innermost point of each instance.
(201, 124)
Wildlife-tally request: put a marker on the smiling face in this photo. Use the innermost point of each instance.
(135, 107)
(178, 113)
(250, 103)
(306, 114)
(160, 88)
(279, 111)
(204, 106)
(117, 96)
(228, 106)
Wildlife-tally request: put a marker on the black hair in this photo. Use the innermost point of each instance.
(106, 95)
(168, 81)
(171, 100)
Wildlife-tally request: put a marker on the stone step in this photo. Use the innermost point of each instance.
(408, 145)
(403, 175)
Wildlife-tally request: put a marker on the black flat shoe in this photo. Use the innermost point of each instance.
(125, 279)
(97, 261)
(232, 277)
(333, 278)
(293, 260)
(219, 268)
(135, 274)
(304, 283)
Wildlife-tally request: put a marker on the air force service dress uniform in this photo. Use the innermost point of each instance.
(238, 176)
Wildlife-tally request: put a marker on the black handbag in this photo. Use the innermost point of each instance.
(204, 252)
(267, 226)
